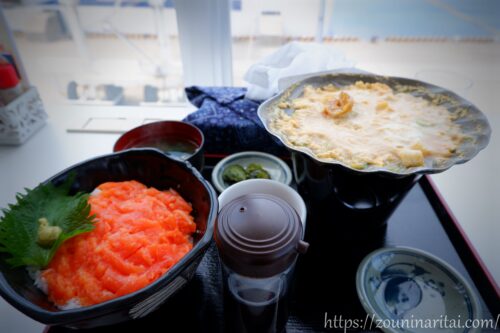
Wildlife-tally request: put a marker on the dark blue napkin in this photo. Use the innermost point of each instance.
(229, 121)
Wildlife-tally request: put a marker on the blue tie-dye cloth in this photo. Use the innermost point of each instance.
(229, 121)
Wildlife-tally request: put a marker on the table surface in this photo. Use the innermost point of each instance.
(471, 190)
(324, 277)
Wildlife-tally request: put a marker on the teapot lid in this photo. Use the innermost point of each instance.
(259, 235)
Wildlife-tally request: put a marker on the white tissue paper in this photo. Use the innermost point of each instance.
(292, 59)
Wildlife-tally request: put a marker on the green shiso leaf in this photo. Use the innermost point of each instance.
(20, 223)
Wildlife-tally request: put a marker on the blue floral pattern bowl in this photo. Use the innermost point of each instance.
(409, 290)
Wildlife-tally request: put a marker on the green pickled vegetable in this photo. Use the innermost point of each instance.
(234, 173)
(259, 173)
(255, 170)
(253, 167)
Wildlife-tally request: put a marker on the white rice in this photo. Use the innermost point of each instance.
(39, 281)
(73, 303)
(41, 284)
(95, 192)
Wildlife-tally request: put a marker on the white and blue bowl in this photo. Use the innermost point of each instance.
(277, 169)
(406, 290)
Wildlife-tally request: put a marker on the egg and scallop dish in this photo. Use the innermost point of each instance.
(367, 124)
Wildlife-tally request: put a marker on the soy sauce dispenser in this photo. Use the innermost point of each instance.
(259, 237)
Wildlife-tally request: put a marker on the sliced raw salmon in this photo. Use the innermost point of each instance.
(139, 234)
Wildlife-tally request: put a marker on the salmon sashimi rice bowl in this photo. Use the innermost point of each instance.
(139, 234)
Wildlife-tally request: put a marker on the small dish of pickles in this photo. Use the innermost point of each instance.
(249, 165)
